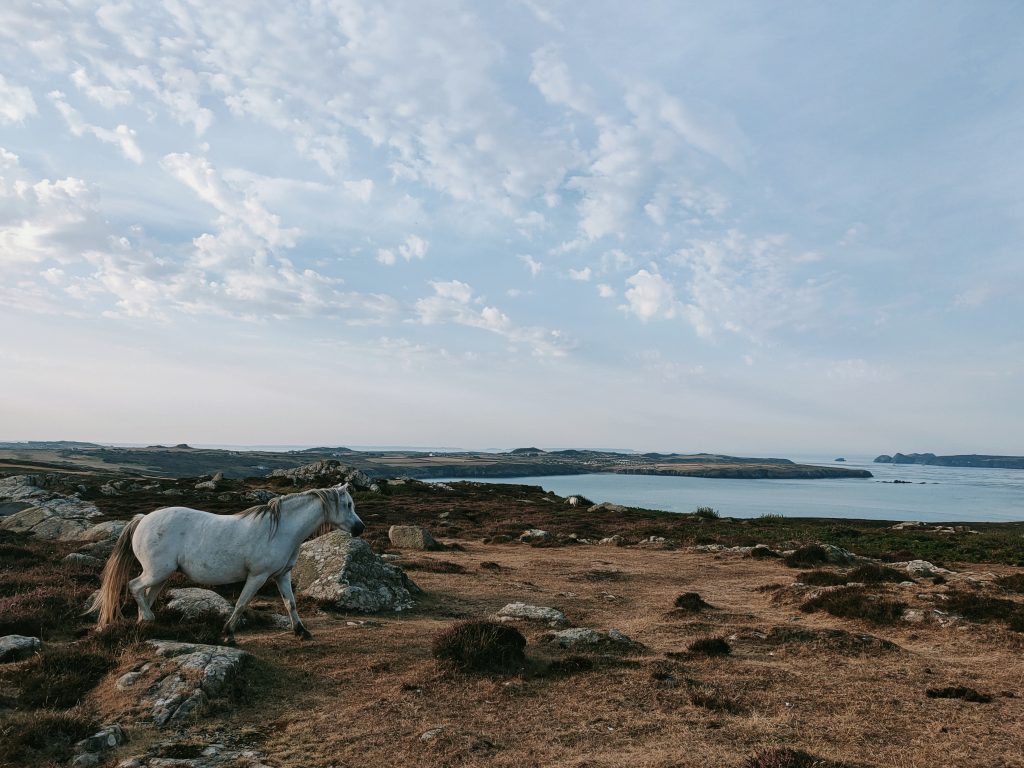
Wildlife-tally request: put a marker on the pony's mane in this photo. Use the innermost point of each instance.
(272, 509)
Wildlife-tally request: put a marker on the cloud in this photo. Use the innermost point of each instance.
(16, 102)
(532, 264)
(650, 296)
(605, 291)
(122, 136)
(453, 301)
(583, 275)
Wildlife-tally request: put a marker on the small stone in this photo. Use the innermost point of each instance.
(17, 647)
(534, 535)
(85, 760)
(550, 616)
(80, 558)
(432, 734)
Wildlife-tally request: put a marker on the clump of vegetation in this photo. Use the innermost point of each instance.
(983, 608)
(570, 665)
(707, 697)
(44, 611)
(710, 646)
(784, 757)
(42, 737)
(60, 677)
(872, 573)
(489, 565)
(822, 578)
(806, 556)
(581, 500)
(856, 603)
(770, 517)
(433, 566)
(169, 625)
(959, 692)
(706, 513)
(761, 552)
(691, 602)
(480, 646)
(1012, 583)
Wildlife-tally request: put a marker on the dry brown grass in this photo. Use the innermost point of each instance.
(812, 683)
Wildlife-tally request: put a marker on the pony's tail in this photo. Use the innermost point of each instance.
(107, 600)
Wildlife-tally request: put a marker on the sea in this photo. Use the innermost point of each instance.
(927, 493)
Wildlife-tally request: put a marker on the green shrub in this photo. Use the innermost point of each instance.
(706, 513)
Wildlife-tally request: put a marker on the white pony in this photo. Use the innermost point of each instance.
(257, 544)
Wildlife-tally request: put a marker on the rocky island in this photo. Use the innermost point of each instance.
(968, 460)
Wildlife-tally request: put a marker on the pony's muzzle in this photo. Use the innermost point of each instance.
(358, 528)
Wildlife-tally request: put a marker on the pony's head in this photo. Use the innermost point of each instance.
(343, 514)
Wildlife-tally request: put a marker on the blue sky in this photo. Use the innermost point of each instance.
(730, 227)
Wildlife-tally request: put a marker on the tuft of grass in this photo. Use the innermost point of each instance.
(1012, 583)
(871, 573)
(822, 578)
(60, 677)
(169, 625)
(856, 603)
(806, 556)
(432, 566)
(984, 609)
(44, 611)
(710, 646)
(707, 697)
(762, 552)
(959, 692)
(42, 737)
(784, 757)
(570, 665)
(489, 565)
(480, 646)
(706, 513)
(691, 602)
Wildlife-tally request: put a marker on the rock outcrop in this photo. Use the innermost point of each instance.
(326, 472)
(180, 682)
(345, 574)
(44, 513)
(412, 537)
(534, 536)
(193, 602)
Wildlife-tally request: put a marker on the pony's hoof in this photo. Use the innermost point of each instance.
(229, 641)
(303, 633)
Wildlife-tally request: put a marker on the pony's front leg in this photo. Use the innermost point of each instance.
(252, 586)
(284, 586)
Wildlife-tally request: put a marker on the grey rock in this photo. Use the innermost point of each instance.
(550, 616)
(206, 485)
(345, 573)
(329, 470)
(607, 506)
(85, 760)
(584, 639)
(259, 495)
(79, 558)
(46, 514)
(109, 529)
(534, 535)
(17, 647)
(193, 602)
(106, 738)
(412, 537)
(99, 549)
(925, 569)
(611, 540)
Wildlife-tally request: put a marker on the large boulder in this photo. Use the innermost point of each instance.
(17, 647)
(110, 529)
(345, 573)
(412, 537)
(177, 685)
(326, 472)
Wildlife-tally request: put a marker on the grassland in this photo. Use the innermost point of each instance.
(834, 679)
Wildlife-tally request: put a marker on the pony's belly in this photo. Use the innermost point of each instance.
(213, 571)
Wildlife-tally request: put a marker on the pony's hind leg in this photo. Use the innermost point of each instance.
(142, 587)
(284, 586)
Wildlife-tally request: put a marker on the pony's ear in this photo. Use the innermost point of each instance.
(343, 487)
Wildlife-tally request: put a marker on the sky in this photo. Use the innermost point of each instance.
(735, 227)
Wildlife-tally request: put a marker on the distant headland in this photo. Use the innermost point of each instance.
(966, 460)
(183, 460)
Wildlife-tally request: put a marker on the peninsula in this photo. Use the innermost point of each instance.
(969, 460)
(182, 459)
